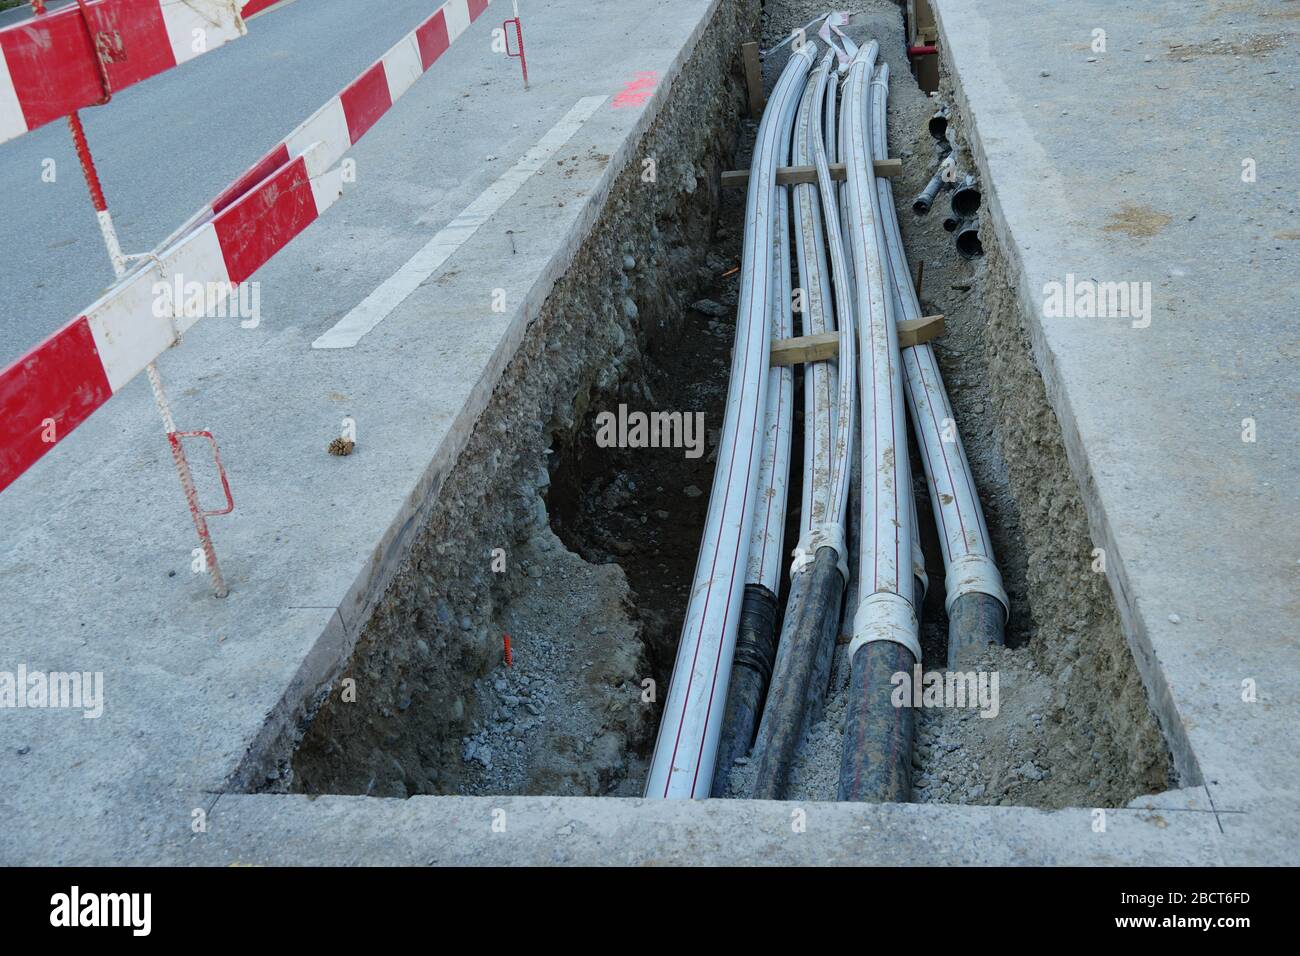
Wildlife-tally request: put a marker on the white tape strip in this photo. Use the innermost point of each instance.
(969, 573)
(393, 292)
(885, 616)
(825, 535)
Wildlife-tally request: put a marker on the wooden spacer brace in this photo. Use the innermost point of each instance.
(824, 346)
(806, 348)
(793, 175)
(914, 332)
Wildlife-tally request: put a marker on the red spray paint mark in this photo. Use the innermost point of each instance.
(510, 661)
(637, 91)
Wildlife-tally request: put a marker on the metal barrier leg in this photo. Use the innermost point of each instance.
(519, 41)
(183, 472)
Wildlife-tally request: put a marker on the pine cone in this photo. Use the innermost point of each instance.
(342, 446)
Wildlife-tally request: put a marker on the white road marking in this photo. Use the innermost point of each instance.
(377, 306)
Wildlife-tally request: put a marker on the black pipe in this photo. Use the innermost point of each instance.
(968, 239)
(925, 198)
(966, 198)
(939, 123)
(876, 764)
(975, 621)
(751, 671)
(950, 223)
(802, 673)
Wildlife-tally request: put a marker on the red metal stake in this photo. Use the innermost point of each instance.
(519, 41)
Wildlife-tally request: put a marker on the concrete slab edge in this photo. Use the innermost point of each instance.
(1136, 634)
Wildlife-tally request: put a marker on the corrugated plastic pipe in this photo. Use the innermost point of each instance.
(686, 749)
(876, 762)
(806, 647)
(976, 603)
(751, 668)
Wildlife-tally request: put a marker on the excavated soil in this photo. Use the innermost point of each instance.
(428, 702)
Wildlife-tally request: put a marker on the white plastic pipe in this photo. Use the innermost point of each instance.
(821, 379)
(765, 561)
(829, 397)
(686, 748)
(845, 409)
(885, 593)
(967, 549)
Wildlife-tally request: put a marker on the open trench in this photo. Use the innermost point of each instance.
(581, 552)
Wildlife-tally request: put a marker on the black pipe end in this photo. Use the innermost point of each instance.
(756, 640)
(975, 621)
(751, 672)
(876, 764)
(966, 202)
(969, 244)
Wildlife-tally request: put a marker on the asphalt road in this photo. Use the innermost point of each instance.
(166, 146)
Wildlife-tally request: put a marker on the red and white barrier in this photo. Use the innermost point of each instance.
(56, 63)
(342, 121)
(57, 385)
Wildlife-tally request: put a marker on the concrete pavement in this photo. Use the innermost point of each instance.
(1160, 161)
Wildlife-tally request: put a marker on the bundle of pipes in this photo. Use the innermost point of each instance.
(820, 568)
(862, 295)
(686, 748)
(756, 641)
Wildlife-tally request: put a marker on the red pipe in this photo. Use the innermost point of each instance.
(921, 50)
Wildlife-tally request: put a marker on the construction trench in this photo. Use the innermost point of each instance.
(527, 643)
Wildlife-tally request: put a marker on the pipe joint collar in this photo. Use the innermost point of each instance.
(828, 534)
(886, 616)
(968, 573)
